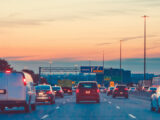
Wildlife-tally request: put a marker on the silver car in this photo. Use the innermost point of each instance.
(155, 100)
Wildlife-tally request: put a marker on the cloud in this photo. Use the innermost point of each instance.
(137, 37)
(101, 44)
(16, 57)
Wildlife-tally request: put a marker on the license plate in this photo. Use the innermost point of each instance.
(2, 92)
(88, 92)
(121, 93)
(40, 94)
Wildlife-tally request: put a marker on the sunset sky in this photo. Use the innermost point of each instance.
(77, 29)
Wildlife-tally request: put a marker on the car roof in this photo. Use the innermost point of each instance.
(87, 82)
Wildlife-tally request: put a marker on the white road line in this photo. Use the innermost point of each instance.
(44, 117)
(64, 102)
(117, 107)
(132, 116)
(109, 102)
(57, 107)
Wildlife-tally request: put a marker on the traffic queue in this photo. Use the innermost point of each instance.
(17, 89)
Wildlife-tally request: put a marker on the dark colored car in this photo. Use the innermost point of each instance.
(110, 90)
(87, 91)
(58, 91)
(120, 91)
(44, 93)
(102, 89)
(67, 90)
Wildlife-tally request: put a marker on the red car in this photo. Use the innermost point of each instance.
(87, 91)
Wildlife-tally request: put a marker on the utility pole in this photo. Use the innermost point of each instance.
(144, 46)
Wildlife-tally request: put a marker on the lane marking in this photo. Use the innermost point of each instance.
(57, 107)
(117, 107)
(132, 116)
(109, 102)
(44, 117)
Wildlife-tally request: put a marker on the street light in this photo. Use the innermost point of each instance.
(144, 46)
(121, 60)
(50, 62)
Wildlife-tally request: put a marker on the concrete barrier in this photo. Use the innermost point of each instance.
(141, 95)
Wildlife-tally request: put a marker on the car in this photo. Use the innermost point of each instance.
(110, 90)
(120, 91)
(67, 90)
(87, 91)
(17, 90)
(73, 89)
(155, 100)
(132, 89)
(44, 93)
(145, 88)
(152, 89)
(103, 89)
(58, 91)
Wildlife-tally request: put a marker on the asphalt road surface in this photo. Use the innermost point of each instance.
(67, 109)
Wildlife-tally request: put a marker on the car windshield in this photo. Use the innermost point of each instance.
(56, 88)
(87, 85)
(42, 87)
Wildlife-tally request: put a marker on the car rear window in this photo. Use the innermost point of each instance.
(87, 85)
(153, 88)
(42, 87)
(111, 88)
(121, 87)
(56, 88)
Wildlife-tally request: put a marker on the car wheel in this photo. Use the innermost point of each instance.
(77, 101)
(113, 96)
(152, 108)
(126, 97)
(2, 109)
(98, 101)
(27, 108)
(33, 107)
(62, 96)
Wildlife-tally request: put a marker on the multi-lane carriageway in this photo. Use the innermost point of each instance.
(67, 109)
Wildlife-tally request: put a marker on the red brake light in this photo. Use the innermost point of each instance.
(77, 90)
(49, 92)
(98, 91)
(7, 71)
(116, 89)
(126, 89)
(24, 81)
(60, 91)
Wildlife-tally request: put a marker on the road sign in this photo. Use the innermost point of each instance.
(111, 83)
(107, 78)
(91, 69)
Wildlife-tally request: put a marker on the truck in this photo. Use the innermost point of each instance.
(66, 86)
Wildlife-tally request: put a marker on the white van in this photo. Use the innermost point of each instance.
(17, 90)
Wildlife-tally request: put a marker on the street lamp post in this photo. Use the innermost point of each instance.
(50, 62)
(144, 46)
(121, 61)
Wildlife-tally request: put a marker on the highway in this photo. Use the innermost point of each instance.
(66, 109)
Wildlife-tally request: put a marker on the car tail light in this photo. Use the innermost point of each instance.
(116, 89)
(8, 71)
(98, 91)
(60, 91)
(24, 81)
(126, 89)
(77, 90)
(49, 92)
